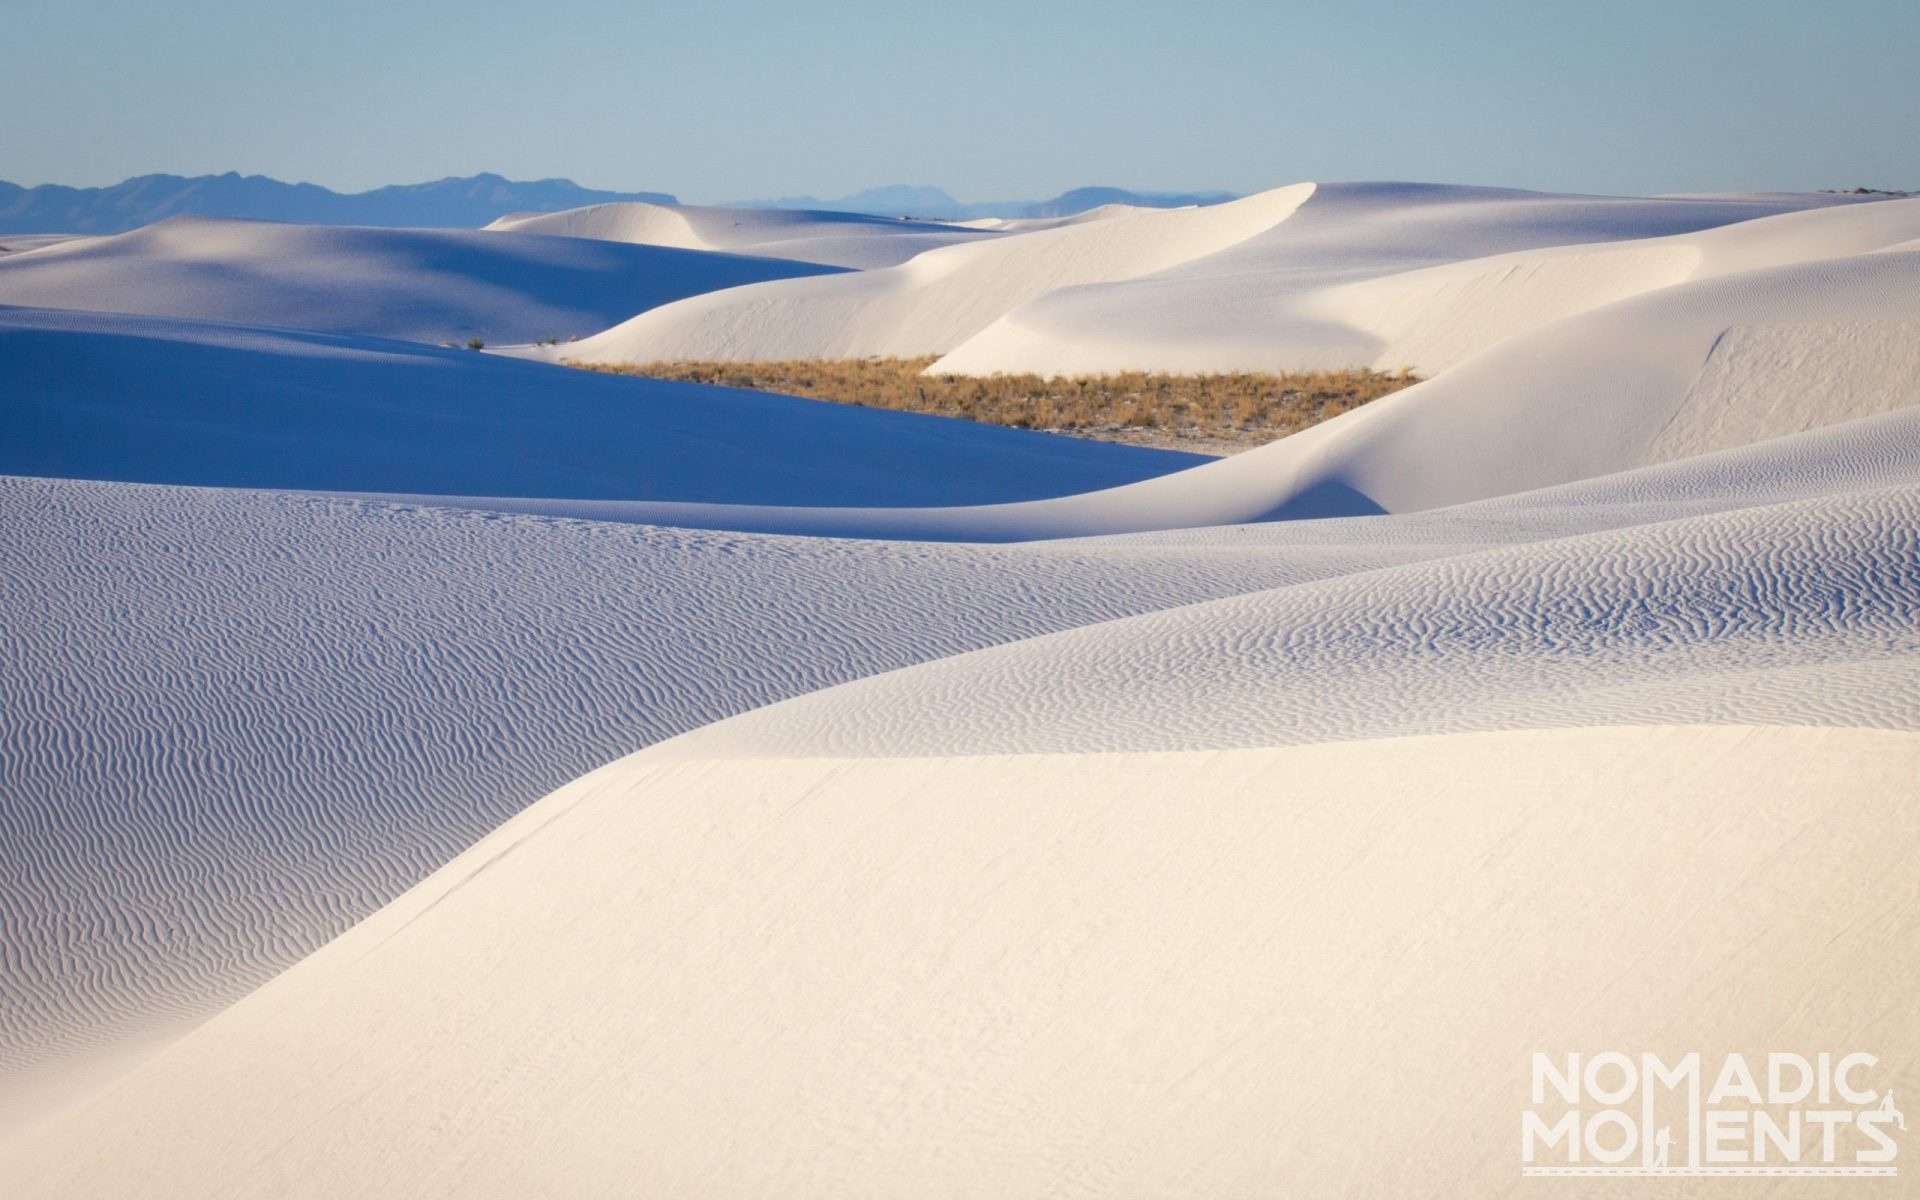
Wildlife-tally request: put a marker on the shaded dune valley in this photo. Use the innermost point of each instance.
(432, 768)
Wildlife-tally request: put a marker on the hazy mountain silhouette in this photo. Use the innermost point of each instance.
(446, 203)
(469, 202)
(906, 200)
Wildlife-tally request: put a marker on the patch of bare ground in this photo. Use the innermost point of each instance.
(1206, 414)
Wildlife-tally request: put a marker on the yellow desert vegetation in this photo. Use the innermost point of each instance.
(1220, 413)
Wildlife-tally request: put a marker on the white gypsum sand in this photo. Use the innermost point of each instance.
(317, 702)
(1168, 974)
(157, 400)
(1293, 631)
(932, 302)
(1228, 816)
(833, 238)
(1682, 370)
(425, 285)
(1396, 276)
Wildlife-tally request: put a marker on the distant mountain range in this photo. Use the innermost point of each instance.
(931, 203)
(469, 202)
(457, 203)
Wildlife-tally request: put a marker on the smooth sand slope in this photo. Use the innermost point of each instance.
(935, 301)
(424, 285)
(139, 399)
(1408, 275)
(1231, 973)
(832, 238)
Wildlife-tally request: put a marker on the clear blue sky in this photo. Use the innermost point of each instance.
(990, 100)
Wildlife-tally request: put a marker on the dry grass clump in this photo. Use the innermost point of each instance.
(1219, 412)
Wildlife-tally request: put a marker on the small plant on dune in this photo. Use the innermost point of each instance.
(1228, 410)
(475, 343)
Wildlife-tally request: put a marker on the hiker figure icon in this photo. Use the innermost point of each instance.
(1886, 1106)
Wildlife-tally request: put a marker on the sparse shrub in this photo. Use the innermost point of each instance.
(1227, 411)
(474, 343)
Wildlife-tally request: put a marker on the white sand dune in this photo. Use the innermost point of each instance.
(656, 632)
(143, 399)
(1679, 371)
(20, 243)
(938, 299)
(1682, 370)
(425, 285)
(1409, 275)
(1203, 858)
(1861, 454)
(1758, 616)
(1029, 224)
(1435, 318)
(832, 238)
(1236, 973)
(317, 702)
